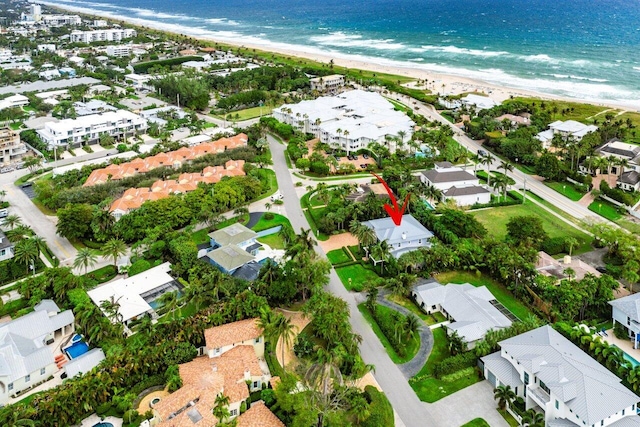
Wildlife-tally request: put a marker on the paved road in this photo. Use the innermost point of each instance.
(412, 367)
(411, 410)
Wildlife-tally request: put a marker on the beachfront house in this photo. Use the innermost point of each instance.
(478, 102)
(406, 237)
(135, 296)
(623, 161)
(569, 131)
(233, 365)
(233, 248)
(471, 311)
(27, 346)
(557, 378)
(626, 312)
(327, 83)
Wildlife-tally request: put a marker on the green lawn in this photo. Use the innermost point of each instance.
(358, 274)
(201, 236)
(430, 389)
(476, 422)
(15, 126)
(502, 294)
(605, 209)
(509, 418)
(275, 241)
(338, 256)
(412, 345)
(496, 219)
(567, 189)
(264, 224)
(429, 319)
(246, 114)
(103, 274)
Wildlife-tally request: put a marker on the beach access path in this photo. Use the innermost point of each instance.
(412, 411)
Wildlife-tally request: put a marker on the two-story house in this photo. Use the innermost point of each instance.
(232, 248)
(406, 237)
(626, 312)
(456, 184)
(558, 379)
(569, 130)
(624, 161)
(26, 353)
(6, 247)
(232, 366)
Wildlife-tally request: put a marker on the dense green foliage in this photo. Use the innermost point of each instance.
(143, 67)
(190, 92)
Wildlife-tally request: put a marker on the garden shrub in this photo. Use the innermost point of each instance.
(103, 409)
(454, 364)
(139, 266)
(268, 396)
(381, 411)
(269, 216)
(389, 323)
(243, 407)
(303, 346)
(554, 245)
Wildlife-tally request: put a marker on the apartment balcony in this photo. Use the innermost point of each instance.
(539, 396)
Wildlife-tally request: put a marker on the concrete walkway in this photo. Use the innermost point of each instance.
(413, 366)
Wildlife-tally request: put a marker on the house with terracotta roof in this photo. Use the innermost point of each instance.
(223, 338)
(235, 371)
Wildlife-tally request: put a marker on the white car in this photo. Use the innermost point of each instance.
(276, 196)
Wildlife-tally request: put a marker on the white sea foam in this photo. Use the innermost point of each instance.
(588, 89)
(223, 21)
(463, 51)
(341, 39)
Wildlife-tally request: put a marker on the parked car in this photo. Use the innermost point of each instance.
(27, 184)
(5, 170)
(355, 157)
(363, 166)
(4, 213)
(601, 269)
(482, 153)
(276, 196)
(365, 156)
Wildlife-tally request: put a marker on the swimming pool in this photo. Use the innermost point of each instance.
(429, 205)
(627, 357)
(76, 349)
(103, 424)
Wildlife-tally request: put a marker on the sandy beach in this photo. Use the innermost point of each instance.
(437, 83)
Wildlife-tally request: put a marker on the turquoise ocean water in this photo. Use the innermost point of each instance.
(586, 49)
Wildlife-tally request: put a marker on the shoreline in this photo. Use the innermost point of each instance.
(444, 84)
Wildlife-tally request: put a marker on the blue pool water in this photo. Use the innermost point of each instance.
(103, 424)
(627, 357)
(77, 349)
(76, 338)
(429, 205)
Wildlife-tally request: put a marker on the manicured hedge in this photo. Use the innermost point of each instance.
(455, 363)
(554, 245)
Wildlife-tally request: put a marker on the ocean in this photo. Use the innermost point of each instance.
(585, 49)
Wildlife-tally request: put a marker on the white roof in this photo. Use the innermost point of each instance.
(84, 363)
(470, 306)
(127, 291)
(388, 231)
(16, 98)
(196, 139)
(481, 102)
(22, 348)
(91, 120)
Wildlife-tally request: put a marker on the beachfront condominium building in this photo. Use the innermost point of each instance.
(555, 377)
(350, 121)
(11, 148)
(119, 50)
(108, 35)
(60, 20)
(89, 128)
(327, 83)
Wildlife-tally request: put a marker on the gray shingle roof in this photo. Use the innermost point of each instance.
(465, 191)
(630, 177)
(629, 305)
(591, 390)
(435, 176)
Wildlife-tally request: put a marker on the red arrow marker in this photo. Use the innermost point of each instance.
(394, 211)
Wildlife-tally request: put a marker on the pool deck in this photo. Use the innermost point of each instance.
(624, 345)
(94, 419)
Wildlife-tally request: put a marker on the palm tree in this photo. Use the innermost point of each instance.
(169, 302)
(26, 251)
(531, 418)
(284, 330)
(115, 248)
(85, 258)
(570, 242)
(365, 235)
(411, 325)
(221, 410)
(12, 221)
(476, 159)
(500, 183)
(506, 166)
(111, 309)
(324, 381)
(504, 395)
(488, 160)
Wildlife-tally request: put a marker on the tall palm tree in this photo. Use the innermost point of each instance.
(284, 330)
(500, 183)
(111, 309)
(488, 160)
(411, 325)
(476, 159)
(115, 248)
(85, 258)
(504, 395)
(531, 418)
(365, 235)
(570, 242)
(169, 302)
(221, 410)
(12, 221)
(26, 251)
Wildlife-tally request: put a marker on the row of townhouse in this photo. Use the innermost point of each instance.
(134, 198)
(89, 128)
(173, 159)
